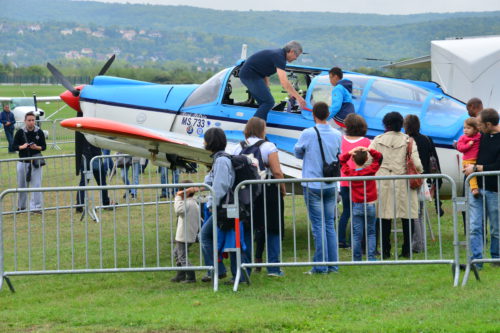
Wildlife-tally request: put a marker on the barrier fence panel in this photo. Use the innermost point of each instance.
(482, 211)
(98, 236)
(59, 170)
(137, 172)
(61, 135)
(293, 240)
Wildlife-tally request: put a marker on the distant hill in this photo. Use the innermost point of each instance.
(36, 31)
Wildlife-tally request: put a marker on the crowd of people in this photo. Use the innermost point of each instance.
(374, 205)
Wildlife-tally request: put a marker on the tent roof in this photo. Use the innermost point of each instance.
(472, 56)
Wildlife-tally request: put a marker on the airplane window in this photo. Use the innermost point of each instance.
(322, 93)
(239, 93)
(391, 90)
(208, 91)
(444, 112)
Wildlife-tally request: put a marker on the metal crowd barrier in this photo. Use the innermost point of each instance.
(60, 135)
(59, 170)
(477, 232)
(60, 240)
(434, 253)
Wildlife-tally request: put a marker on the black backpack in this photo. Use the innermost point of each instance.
(247, 166)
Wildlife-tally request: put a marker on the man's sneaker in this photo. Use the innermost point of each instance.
(276, 274)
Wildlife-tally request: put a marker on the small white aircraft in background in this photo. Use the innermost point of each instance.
(19, 106)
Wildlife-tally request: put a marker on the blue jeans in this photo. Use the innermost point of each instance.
(206, 239)
(321, 209)
(358, 226)
(136, 170)
(164, 180)
(476, 223)
(260, 91)
(273, 251)
(346, 213)
(108, 161)
(9, 134)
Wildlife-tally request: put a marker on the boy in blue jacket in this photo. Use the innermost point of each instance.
(341, 96)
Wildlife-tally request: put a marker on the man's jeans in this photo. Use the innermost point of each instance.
(260, 91)
(477, 226)
(321, 209)
(164, 180)
(9, 134)
(136, 170)
(206, 240)
(273, 248)
(358, 226)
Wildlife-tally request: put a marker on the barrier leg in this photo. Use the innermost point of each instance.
(11, 286)
(238, 269)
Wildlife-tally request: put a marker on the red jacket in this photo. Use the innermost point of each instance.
(358, 187)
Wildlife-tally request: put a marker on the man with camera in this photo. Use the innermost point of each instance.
(319, 147)
(29, 141)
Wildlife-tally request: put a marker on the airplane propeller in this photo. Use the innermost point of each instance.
(65, 82)
(61, 78)
(106, 66)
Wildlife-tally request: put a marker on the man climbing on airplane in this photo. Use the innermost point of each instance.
(341, 96)
(255, 72)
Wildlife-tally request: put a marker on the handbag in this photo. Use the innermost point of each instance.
(329, 169)
(39, 162)
(433, 161)
(415, 183)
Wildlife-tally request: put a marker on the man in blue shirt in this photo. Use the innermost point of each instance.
(320, 196)
(255, 72)
(9, 122)
(341, 96)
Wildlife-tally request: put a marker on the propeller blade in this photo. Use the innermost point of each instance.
(61, 78)
(106, 66)
(35, 102)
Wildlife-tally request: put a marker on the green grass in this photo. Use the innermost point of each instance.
(358, 299)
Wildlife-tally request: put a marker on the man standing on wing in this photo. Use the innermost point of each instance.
(255, 72)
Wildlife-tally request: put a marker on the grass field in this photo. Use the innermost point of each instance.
(357, 299)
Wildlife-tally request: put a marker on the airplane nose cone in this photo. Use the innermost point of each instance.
(72, 101)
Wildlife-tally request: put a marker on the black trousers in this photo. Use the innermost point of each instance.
(100, 178)
(408, 228)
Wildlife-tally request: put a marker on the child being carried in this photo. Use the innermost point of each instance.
(364, 196)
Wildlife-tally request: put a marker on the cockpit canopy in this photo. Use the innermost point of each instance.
(440, 116)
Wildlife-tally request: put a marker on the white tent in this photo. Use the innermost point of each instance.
(468, 67)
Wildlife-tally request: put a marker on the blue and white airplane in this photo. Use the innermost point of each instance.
(166, 123)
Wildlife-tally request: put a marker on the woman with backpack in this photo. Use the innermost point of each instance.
(268, 217)
(221, 178)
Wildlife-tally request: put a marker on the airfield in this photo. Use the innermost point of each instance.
(357, 299)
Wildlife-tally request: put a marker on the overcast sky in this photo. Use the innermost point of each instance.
(343, 6)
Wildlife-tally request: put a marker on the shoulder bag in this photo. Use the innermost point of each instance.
(415, 183)
(329, 169)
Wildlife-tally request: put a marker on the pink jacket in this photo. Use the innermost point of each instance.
(463, 146)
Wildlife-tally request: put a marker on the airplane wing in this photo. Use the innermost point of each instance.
(189, 148)
(39, 99)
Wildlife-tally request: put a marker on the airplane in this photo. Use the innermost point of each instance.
(166, 123)
(19, 106)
